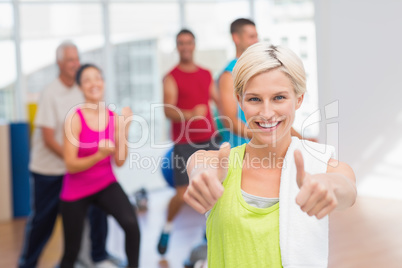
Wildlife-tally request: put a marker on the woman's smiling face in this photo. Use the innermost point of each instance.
(92, 84)
(269, 104)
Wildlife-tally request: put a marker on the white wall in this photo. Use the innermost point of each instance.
(360, 64)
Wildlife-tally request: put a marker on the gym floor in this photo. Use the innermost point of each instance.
(368, 235)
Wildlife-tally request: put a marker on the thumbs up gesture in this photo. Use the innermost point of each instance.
(316, 196)
(207, 170)
(125, 121)
(126, 112)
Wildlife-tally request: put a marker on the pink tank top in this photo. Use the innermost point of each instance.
(97, 177)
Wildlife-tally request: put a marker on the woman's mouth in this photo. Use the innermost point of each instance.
(94, 90)
(265, 126)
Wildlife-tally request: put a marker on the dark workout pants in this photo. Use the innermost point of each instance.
(113, 201)
(45, 191)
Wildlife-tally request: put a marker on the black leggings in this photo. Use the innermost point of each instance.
(113, 201)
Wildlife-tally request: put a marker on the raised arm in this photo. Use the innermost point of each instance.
(320, 194)
(72, 129)
(228, 107)
(343, 181)
(122, 125)
(206, 171)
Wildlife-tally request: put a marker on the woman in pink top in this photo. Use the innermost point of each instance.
(93, 138)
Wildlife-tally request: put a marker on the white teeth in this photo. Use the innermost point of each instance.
(267, 125)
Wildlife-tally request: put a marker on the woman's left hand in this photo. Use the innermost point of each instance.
(317, 196)
(126, 112)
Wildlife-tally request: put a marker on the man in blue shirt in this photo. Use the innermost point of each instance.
(244, 34)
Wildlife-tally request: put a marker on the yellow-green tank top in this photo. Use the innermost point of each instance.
(240, 235)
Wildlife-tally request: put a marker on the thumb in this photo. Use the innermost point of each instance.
(223, 155)
(299, 167)
(126, 111)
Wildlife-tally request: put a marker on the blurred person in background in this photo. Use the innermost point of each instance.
(47, 166)
(94, 137)
(188, 88)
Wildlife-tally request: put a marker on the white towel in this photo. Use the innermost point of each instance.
(303, 239)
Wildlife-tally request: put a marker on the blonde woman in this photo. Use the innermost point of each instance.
(267, 201)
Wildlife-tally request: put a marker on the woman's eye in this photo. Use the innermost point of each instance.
(254, 99)
(279, 98)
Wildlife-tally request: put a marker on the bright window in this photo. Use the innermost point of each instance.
(7, 63)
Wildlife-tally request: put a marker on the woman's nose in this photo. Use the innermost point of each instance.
(267, 110)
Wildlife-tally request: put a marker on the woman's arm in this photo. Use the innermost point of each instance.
(343, 180)
(213, 93)
(228, 107)
(320, 194)
(122, 126)
(72, 129)
(170, 94)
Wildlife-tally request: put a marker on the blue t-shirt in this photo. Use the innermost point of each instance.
(227, 135)
(230, 66)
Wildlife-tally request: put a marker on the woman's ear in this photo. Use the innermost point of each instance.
(239, 100)
(299, 101)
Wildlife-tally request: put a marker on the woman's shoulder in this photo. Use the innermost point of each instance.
(73, 117)
(73, 124)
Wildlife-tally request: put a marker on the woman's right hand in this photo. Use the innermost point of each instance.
(206, 178)
(106, 147)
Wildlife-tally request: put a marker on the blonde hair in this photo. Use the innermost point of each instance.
(262, 57)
